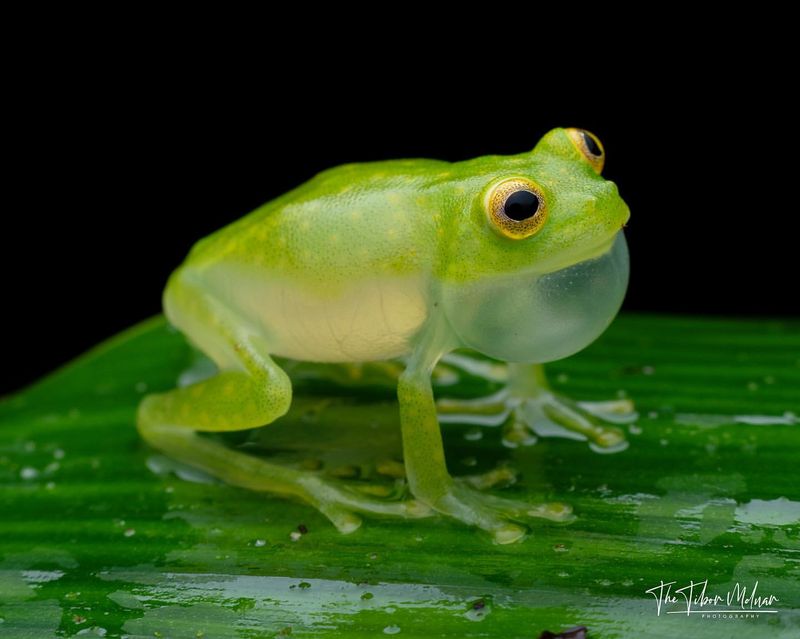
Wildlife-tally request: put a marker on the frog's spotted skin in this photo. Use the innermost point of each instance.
(408, 258)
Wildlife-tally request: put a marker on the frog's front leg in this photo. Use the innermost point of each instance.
(526, 405)
(426, 468)
(249, 391)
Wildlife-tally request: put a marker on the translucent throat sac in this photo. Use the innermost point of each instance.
(547, 317)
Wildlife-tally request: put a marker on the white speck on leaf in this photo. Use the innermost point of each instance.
(28, 473)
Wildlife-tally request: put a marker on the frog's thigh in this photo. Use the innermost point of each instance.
(252, 392)
(249, 391)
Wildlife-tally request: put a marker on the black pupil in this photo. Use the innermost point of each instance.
(592, 145)
(521, 205)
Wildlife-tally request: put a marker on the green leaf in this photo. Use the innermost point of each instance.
(99, 535)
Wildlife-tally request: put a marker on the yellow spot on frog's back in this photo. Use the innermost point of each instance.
(393, 198)
(392, 232)
(334, 237)
(356, 214)
(305, 225)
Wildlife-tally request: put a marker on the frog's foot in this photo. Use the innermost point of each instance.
(499, 477)
(502, 518)
(544, 414)
(552, 414)
(342, 503)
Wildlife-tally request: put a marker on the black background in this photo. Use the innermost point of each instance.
(118, 174)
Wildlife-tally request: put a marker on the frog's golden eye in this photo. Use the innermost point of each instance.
(516, 208)
(590, 147)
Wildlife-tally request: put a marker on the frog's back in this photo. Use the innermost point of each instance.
(362, 204)
(337, 269)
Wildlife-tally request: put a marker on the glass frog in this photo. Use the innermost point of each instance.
(521, 258)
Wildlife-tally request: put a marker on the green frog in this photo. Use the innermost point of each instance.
(521, 258)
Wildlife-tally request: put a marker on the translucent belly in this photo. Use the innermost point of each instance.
(363, 321)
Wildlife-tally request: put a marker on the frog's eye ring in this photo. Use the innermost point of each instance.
(589, 146)
(516, 208)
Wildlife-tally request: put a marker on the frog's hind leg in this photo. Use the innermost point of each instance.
(527, 406)
(334, 499)
(249, 391)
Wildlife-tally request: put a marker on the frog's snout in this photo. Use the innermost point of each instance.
(626, 214)
(614, 203)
